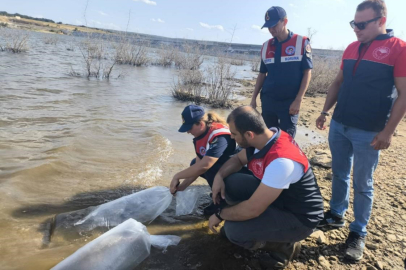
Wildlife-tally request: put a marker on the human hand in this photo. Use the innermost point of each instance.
(382, 140)
(320, 121)
(214, 223)
(295, 107)
(218, 189)
(185, 183)
(173, 187)
(253, 103)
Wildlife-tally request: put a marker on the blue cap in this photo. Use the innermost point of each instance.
(273, 16)
(190, 115)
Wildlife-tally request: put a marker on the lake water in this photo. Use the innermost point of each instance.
(67, 143)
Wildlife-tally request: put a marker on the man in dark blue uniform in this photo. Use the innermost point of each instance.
(285, 73)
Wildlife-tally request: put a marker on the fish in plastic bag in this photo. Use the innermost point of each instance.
(164, 241)
(186, 201)
(143, 206)
(121, 248)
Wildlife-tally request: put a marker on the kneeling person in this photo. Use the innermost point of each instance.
(277, 205)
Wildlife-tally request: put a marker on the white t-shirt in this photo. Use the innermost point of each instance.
(281, 172)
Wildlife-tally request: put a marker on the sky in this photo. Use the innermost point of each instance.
(237, 21)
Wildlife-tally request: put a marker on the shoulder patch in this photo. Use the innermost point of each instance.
(308, 48)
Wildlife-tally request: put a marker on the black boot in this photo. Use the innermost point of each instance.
(279, 254)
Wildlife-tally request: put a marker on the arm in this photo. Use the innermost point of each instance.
(258, 86)
(295, 106)
(233, 165)
(197, 169)
(252, 208)
(383, 139)
(190, 174)
(331, 99)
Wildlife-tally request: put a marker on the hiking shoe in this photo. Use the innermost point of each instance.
(355, 246)
(273, 260)
(279, 254)
(331, 220)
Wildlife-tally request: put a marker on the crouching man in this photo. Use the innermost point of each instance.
(278, 203)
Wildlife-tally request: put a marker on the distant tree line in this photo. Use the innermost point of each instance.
(3, 13)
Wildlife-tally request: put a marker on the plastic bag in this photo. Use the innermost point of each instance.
(121, 248)
(164, 241)
(186, 201)
(143, 206)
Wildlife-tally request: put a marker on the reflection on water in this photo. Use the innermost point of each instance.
(63, 136)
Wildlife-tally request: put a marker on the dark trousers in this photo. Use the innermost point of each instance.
(281, 118)
(273, 225)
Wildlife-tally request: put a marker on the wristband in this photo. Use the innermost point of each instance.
(325, 113)
(217, 214)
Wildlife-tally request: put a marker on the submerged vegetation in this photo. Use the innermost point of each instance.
(15, 41)
(204, 76)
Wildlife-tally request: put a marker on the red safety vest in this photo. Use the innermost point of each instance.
(203, 144)
(284, 147)
(291, 50)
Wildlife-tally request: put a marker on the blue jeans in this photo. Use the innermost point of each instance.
(350, 145)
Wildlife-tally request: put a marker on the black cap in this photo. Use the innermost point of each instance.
(273, 16)
(190, 115)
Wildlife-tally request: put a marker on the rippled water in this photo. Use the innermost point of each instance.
(67, 143)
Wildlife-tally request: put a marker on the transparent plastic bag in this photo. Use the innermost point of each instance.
(121, 248)
(186, 201)
(143, 206)
(164, 241)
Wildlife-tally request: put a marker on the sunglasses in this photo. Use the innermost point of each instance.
(362, 25)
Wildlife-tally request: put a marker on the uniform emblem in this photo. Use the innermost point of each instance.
(381, 52)
(270, 53)
(257, 167)
(290, 50)
(267, 16)
(308, 48)
(202, 151)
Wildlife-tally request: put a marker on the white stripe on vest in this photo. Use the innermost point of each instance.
(214, 133)
(297, 57)
(264, 51)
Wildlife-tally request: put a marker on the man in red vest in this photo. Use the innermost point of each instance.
(365, 117)
(285, 73)
(278, 203)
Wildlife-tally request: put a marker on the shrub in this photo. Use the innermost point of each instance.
(190, 58)
(132, 54)
(255, 64)
(15, 41)
(325, 69)
(219, 83)
(189, 86)
(96, 59)
(165, 56)
(53, 40)
(237, 62)
(213, 86)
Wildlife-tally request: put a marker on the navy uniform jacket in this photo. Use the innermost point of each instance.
(284, 62)
(367, 93)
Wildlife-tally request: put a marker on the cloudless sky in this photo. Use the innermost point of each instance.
(211, 19)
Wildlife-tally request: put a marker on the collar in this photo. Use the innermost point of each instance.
(265, 150)
(389, 34)
(275, 40)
